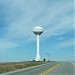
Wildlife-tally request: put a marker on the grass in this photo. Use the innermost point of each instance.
(6, 67)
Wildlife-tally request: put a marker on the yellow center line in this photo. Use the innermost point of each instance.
(49, 70)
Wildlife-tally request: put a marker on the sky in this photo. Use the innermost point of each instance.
(19, 17)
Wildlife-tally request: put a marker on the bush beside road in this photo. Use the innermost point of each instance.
(6, 67)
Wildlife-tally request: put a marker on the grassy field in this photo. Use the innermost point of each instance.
(6, 67)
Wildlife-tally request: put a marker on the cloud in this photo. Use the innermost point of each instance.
(5, 44)
(65, 44)
(22, 15)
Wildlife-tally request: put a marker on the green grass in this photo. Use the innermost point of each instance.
(6, 67)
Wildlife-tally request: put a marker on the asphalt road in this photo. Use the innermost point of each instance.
(53, 68)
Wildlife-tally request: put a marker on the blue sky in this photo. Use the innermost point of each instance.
(17, 19)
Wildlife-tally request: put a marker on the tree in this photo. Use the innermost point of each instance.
(44, 59)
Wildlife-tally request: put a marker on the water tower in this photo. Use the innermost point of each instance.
(38, 31)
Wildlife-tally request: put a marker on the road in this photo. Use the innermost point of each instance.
(53, 68)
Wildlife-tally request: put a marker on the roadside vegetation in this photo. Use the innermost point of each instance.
(6, 67)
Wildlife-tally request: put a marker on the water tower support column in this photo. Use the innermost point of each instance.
(38, 48)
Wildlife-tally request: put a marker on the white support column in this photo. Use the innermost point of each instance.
(38, 53)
